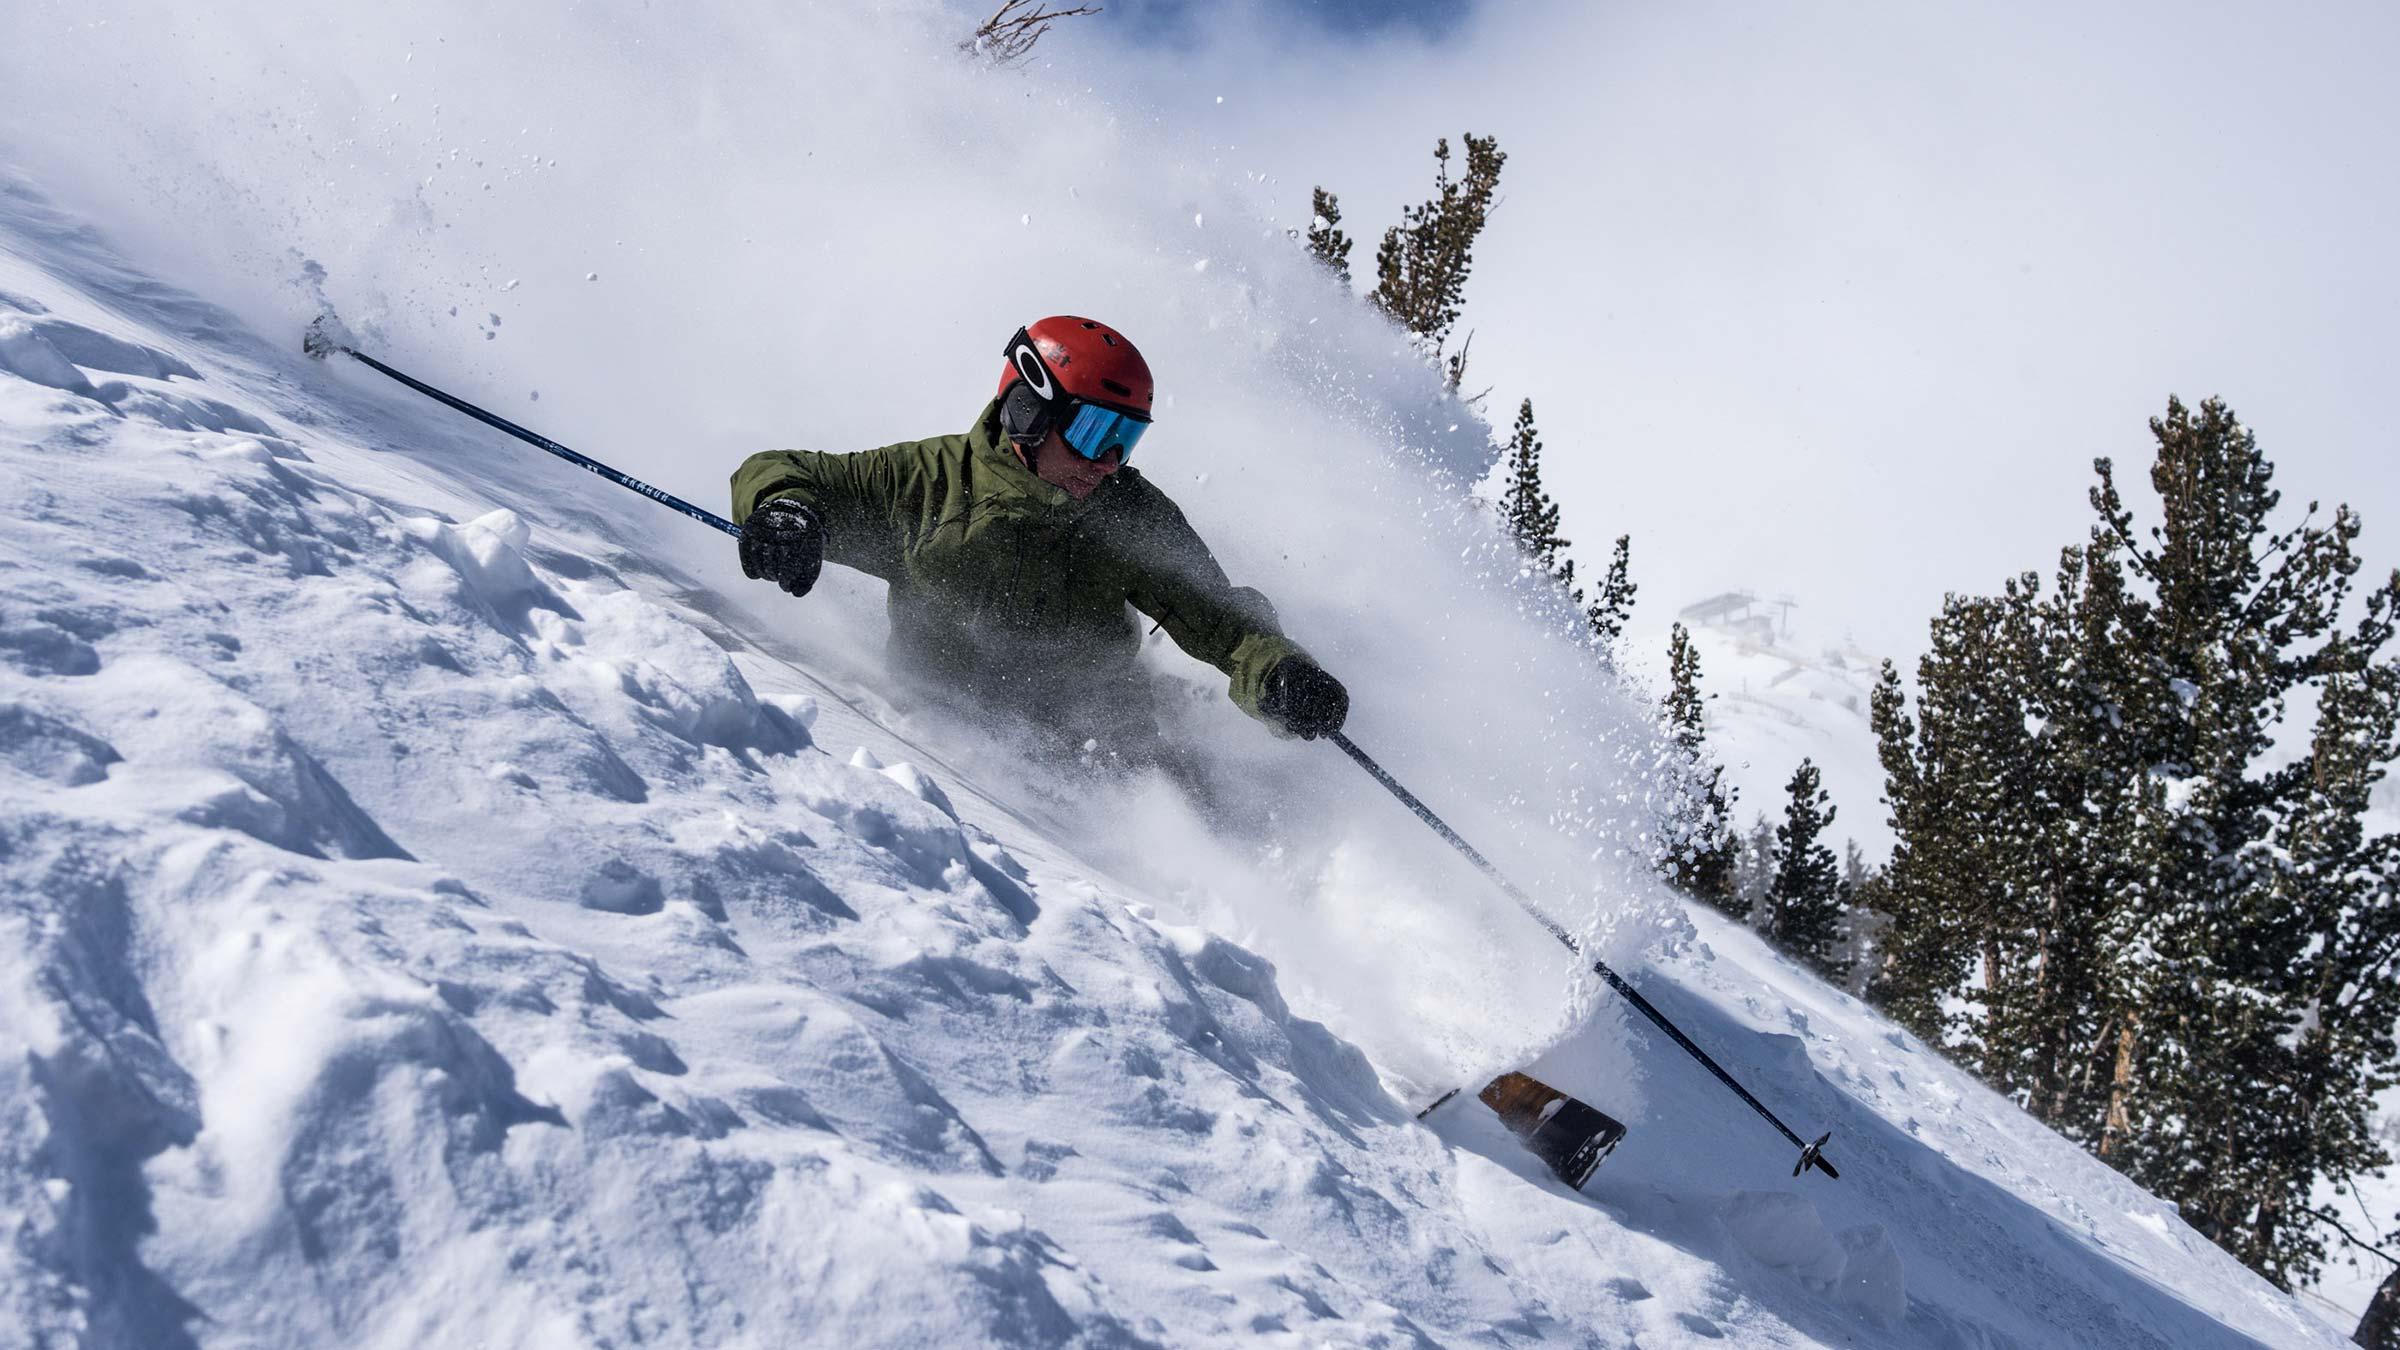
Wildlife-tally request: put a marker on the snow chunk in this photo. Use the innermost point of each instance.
(213, 758)
(43, 747)
(1872, 1280)
(926, 790)
(1783, 1230)
(618, 887)
(489, 555)
(799, 707)
(1860, 1268)
(26, 354)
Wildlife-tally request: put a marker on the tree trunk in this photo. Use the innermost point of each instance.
(2119, 1121)
(2380, 1328)
(1994, 1065)
(2045, 1095)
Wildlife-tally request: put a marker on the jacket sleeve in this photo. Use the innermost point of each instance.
(1176, 581)
(859, 497)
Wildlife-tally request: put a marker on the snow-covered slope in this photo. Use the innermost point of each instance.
(1777, 694)
(424, 920)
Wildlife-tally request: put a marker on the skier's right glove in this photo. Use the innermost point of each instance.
(784, 542)
(1302, 700)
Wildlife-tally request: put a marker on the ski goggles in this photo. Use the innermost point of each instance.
(1093, 431)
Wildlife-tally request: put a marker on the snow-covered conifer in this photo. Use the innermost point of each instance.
(1804, 899)
(1422, 266)
(1700, 845)
(2110, 896)
(1525, 504)
(1612, 607)
(1326, 241)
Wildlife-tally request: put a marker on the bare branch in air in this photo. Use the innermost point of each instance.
(1010, 34)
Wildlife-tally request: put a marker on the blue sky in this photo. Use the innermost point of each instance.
(1179, 21)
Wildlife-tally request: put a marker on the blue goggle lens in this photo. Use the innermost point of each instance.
(1094, 431)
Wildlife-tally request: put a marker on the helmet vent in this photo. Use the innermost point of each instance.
(1115, 388)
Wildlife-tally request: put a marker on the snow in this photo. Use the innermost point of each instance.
(1783, 1230)
(1778, 693)
(426, 919)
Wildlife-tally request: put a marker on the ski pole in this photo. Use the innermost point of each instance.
(1811, 1154)
(319, 344)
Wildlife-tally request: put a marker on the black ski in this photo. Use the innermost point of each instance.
(1571, 1137)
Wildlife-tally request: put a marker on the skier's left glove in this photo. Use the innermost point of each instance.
(1302, 700)
(783, 541)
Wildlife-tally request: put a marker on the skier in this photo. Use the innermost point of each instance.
(1015, 549)
(1013, 552)
(1010, 570)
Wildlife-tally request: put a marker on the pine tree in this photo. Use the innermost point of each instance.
(1326, 242)
(1804, 898)
(2341, 889)
(1754, 870)
(1422, 266)
(1532, 517)
(1936, 789)
(2256, 952)
(1687, 711)
(2072, 841)
(2181, 949)
(2017, 797)
(1701, 849)
(1863, 919)
(1613, 606)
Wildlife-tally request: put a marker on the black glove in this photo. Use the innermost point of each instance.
(784, 542)
(1303, 700)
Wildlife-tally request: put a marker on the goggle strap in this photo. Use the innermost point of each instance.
(1026, 359)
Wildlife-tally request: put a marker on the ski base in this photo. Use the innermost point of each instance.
(1569, 1136)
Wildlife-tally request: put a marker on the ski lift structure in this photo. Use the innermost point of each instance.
(1744, 615)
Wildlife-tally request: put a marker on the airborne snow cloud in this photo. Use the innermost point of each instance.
(708, 919)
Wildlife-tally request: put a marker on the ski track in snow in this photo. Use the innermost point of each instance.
(422, 924)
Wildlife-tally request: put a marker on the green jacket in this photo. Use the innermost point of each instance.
(1007, 591)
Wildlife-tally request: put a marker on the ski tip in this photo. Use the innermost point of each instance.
(1814, 1156)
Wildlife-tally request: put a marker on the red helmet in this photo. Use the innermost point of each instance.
(1086, 361)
